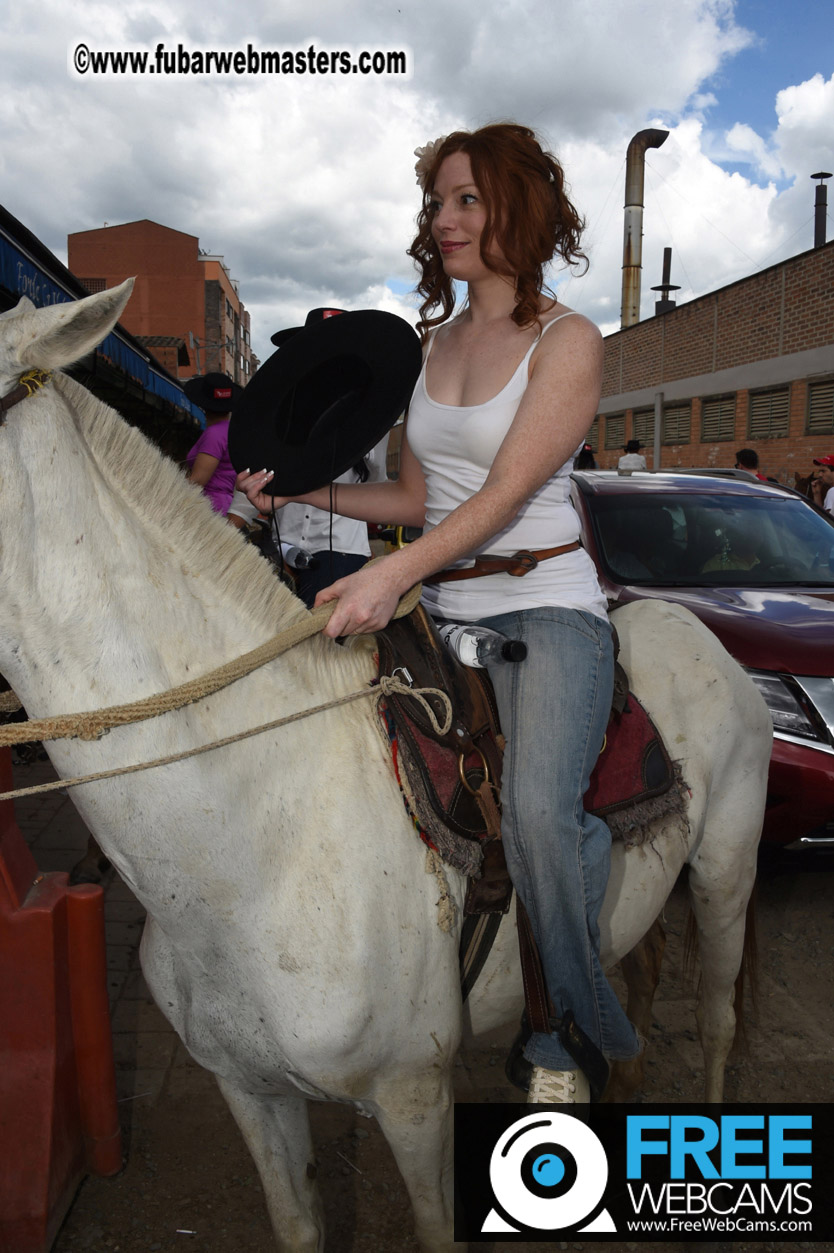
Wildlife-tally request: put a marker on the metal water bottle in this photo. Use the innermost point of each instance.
(480, 646)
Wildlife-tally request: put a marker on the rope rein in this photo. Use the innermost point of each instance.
(94, 724)
(385, 687)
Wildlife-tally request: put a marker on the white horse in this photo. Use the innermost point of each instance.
(294, 937)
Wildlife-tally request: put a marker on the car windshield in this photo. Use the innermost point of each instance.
(683, 538)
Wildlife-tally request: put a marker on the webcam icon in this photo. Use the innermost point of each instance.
(548, 1172)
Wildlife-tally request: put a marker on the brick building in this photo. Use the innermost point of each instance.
(121, 371)
(749, 365)
(185, 307)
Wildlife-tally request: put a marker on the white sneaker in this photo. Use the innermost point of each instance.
(558, 1087)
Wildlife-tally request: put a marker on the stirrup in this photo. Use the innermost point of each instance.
(558, 1087)
(590, 1062)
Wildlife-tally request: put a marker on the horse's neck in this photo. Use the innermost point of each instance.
(121, 581)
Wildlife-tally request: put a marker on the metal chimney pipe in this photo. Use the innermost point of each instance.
(633, 227)
(665, 305)
(820, 208)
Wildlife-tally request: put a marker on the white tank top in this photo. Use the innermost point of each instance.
(456, 446)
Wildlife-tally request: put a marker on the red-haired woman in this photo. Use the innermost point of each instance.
(508, 391)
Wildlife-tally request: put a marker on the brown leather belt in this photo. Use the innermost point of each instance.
(518, 565)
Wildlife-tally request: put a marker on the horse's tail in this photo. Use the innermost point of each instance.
(747, 978)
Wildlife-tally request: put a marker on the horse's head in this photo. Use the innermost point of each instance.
(56, 335)
(41, 340)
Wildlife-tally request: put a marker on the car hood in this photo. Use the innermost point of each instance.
(766, 629)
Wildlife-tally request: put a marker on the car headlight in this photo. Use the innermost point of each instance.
(790, 708)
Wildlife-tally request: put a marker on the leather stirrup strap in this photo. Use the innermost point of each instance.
(539, 1009)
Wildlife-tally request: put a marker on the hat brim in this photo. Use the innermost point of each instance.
(324, 400)
(281, 337)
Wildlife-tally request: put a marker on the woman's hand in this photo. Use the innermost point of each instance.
(252, 485)
(366, 600)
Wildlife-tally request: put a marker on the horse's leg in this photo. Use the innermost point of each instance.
(416, 1117)
(277, 1133)
(641, 971)
(719, 893)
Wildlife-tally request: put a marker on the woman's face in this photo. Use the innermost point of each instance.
(458, 218)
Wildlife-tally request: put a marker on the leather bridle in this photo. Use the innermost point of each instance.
(30, 382)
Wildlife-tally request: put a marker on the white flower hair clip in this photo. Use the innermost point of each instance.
(426, 158)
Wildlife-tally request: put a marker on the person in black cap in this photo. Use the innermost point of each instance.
(508, 391)
(633, 459)
(208, 460)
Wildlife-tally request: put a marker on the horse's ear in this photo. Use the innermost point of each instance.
(23, 306)
(59, 334)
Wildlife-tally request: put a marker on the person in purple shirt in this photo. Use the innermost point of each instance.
(208, 460)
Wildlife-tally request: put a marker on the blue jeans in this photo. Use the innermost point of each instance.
(554, 708)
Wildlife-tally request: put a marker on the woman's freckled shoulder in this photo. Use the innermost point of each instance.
(574, 333)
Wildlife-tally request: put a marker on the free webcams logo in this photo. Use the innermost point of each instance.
(548, 1171)
(664, 1173)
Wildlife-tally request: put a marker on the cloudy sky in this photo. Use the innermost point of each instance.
(305, 183)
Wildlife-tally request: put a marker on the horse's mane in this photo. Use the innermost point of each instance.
(156, 489)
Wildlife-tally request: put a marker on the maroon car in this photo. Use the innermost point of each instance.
(755, 562)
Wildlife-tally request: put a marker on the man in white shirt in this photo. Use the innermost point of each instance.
(823, 484)
(331, 546)
(633, 459)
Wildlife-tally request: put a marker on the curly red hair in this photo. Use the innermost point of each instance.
(528, 216)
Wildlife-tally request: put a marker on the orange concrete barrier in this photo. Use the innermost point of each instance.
(58, 1113)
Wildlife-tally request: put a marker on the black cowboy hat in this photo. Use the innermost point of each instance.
(324, 400)
(313, 317)
(213, 393)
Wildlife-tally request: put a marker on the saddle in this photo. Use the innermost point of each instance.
(451, 780)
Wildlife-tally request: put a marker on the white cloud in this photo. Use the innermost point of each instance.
(306, 185)
(749, 146)
(805, 134)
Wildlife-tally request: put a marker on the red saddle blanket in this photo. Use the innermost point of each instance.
(633, 768)
(633, 765)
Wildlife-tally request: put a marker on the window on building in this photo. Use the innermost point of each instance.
(768, 414)
(615, 430)
(230, 313)
(718, 419)
(94, 284)
(820, 417)
(676, 427)
(642, 422)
